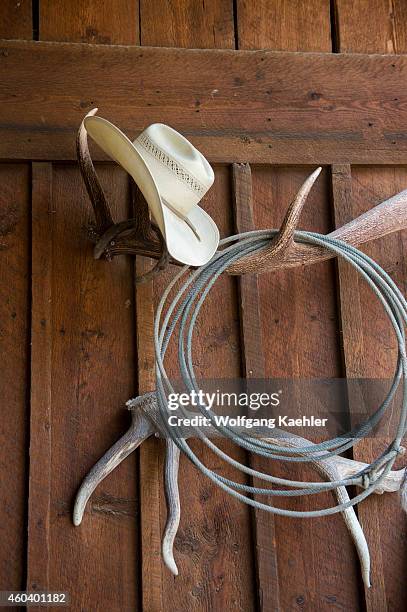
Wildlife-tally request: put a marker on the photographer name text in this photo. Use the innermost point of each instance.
(245, 422)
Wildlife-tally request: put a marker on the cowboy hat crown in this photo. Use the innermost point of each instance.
(173, 177)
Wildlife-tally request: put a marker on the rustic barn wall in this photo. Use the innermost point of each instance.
(299, 323)
(15, 272)
(374, 27)
(14, 380)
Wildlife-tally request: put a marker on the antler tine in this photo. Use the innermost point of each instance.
(146, 420)
(285, 236)
(352, 523)
(171, 468)
(173, 505)
(338, 468)
(381, 220)
(141, 428)
(341, 468)
(284, 241)
(93, 187)
(329, 469)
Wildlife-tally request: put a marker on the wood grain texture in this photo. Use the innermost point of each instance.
(298, 314)
(16, 19)
(299, 326)
(187, 23)
(92, 377)
(213, 548)
(106, 22)
(14, 366)
(250, 106)
(93, 370)
(38, 555)
(374, 26)
(370, 351)
(317, 123)
(15, 22)
(284, 26)
(254, 368)
(151, 463)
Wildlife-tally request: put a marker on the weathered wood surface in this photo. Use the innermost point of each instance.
(213, 548)
(369, 346)
(39, 492)
(151, 464)
(370, 351)
(284, 26)
(15, 22)
(299, 324)
(254, 106)
(253, 366)
(92, 374)
(298, 318)
(14, 362)
(16, 19)
(187, 24)
(101, 22)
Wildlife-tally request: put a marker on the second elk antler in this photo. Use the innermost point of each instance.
(146, 421)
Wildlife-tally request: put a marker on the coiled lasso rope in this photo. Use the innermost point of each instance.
(183, 311)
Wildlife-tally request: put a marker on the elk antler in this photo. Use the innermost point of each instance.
(146, 421)
(118, 238)
(96, 195)
(140, 429)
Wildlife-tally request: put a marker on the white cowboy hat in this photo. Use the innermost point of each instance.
(173, 177)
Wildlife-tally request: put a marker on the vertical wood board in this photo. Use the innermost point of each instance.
(14, 364)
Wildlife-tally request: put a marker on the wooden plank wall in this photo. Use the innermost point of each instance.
(293, 315)
(214, 544)
(85, 321)
(380, 29)
(257, 106)
(93, 357)
(15, 272)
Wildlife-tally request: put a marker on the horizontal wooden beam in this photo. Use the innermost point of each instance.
(236, 106)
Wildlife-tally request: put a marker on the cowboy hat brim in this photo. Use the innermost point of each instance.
(182, 243)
